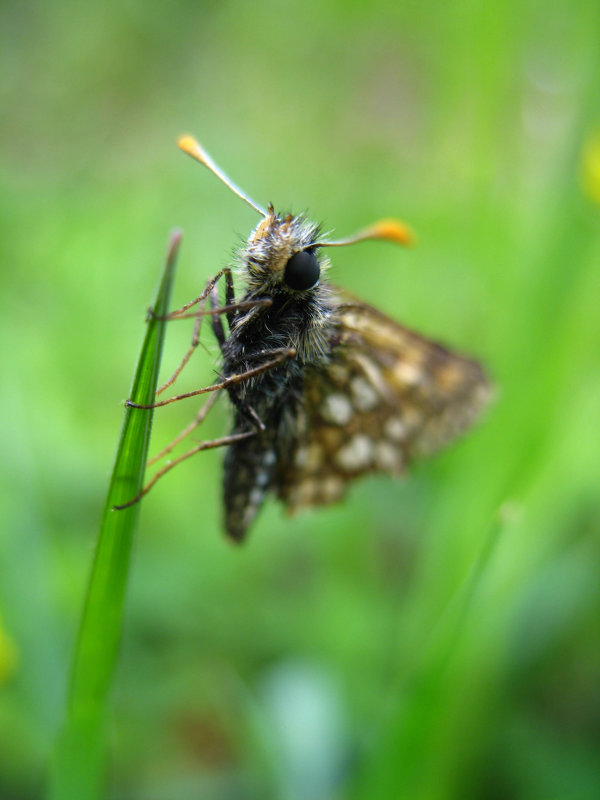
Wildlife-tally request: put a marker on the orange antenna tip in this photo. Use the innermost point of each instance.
(192, 148)
(387, 230)
(391, 230)
(188, 144)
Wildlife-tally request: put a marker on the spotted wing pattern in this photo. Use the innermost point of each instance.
(387, 396)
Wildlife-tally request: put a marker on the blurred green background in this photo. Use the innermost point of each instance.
(432, 638)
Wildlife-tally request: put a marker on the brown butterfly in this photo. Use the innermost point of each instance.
(324, 388)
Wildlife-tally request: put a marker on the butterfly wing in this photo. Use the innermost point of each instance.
(387, 396)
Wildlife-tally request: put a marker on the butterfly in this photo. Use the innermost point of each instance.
(324, 388)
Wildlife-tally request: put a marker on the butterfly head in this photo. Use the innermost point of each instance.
(282, 253)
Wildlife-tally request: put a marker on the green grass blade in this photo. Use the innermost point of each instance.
(80, 758)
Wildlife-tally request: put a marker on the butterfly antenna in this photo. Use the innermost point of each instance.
(194, 149)
(387, 230)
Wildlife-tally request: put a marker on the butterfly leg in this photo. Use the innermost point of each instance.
(278, 356)
(196, 422)
(230, 307)
(210, 445)
(216, 321)
(179, 312)
(215, 312)
(219, 332)
(193, 345)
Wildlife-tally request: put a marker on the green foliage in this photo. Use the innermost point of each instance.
(80, 763)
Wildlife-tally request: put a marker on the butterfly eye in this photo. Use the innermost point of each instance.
(302, 271)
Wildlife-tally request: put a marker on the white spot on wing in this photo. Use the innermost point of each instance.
(356, 454)
(374, 377)
(269, 458)
(388, 457)
(408, 373)
(364, 395)
(331, 488)
(301, 457)
(262, 477)
(305, 492)
(395, 429)
(256, 496)
(337, 409)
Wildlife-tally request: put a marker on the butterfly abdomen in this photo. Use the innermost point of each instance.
(248, 476)
(252, 466)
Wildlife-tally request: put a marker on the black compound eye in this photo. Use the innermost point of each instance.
(302, 271)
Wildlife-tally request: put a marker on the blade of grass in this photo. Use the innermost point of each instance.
(79, 766)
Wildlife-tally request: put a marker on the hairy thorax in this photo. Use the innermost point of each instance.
(305, 324)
